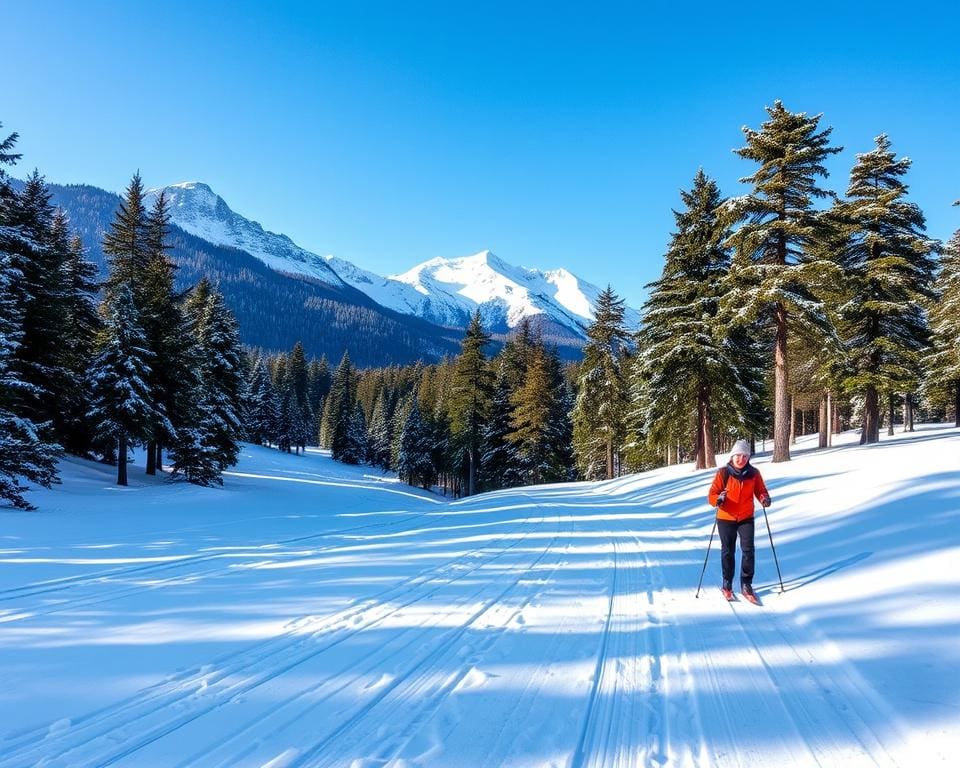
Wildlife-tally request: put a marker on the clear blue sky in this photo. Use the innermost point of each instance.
(554, 134)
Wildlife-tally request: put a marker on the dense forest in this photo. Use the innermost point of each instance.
(789, 310)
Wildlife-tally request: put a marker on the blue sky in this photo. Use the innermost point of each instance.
(553, 134)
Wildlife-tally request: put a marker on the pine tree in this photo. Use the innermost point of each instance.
(943, 359)
(301, 413)
(471, 397)
(81, 327)
(163, 323)
(890, 269)
(500, 466)
(340, 411)
(687, 362)
(378, 435)
(356, 449)
(121, 408)
(780, 234)
(126, 243)
(532, 419)
(600, 412)
(414, 465)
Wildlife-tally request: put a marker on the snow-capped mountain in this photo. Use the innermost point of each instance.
(449, 291)
(442, 291)
(196, 208)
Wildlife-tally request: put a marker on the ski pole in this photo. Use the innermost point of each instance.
(709, 544)
(770, 534)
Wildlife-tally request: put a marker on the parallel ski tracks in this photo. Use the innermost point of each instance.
(108, 735)
(114, 577)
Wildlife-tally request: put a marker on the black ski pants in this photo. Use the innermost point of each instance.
(729, 530)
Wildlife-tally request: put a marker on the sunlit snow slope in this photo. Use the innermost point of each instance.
(312, 614)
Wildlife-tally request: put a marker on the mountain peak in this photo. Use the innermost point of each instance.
(197, 209)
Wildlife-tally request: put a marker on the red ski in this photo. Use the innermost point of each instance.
(728, 595)
(751, 597)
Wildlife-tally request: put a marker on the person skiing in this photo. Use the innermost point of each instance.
(732, 492)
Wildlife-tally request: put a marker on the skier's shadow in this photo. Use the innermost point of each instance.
(820, 573)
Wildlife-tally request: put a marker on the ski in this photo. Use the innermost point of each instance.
(728, 595)
(751, 598)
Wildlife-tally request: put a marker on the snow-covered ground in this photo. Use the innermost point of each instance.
(311, 614)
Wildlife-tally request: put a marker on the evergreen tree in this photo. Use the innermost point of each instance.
(943, 360)
(600, 412)
(301, 413)
(378, 435)
(121, 397)
(470, 397)
(500, 466)
(890, 270)
(319, 386)
(340, 407)
(163, 324)
(414, 465)
(126, 242)
(532, 420)
(780, 234)
(687, 362)
(356, 448)
(23, 453)
(81, 327)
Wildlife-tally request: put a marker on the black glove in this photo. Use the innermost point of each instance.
(765, 501)
(721, 498)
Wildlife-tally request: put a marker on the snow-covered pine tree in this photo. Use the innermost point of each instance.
(222, 374)
(686, 362)
(533, 411)
(340, 407)
(600, 412)
(41, 259)
(23, 453)
(500, 465)
(470, 398)
(414, 465)
(779, 231)
(378, 434)
(890, 268)
(943, 360)
(81, 327)
(356, 450)
(318, 387)
(301, 413)
(121, 410)
(163, 324)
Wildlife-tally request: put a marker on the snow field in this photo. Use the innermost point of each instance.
(312, 614)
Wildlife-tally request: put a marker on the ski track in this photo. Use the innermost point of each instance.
(86, 734)
(113, 575)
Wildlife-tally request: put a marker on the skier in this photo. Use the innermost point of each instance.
(732, 492)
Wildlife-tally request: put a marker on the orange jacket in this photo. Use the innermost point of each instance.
(742, 487)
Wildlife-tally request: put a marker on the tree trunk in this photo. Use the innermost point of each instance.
(706, 451)
(871, 417)
(892, 414)
(956, 404)
(824, 418)
(908, 421)
(609, 457)
(152, 457)
(159, 460)
(781, 393)
(471, 473)
(122, 461)
(830, 418)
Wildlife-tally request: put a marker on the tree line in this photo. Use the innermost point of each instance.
(787, 301)
(96, 367)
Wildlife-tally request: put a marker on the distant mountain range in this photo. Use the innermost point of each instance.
(443, 291)
(282, 292)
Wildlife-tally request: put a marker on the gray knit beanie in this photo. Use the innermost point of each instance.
(741, 446)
